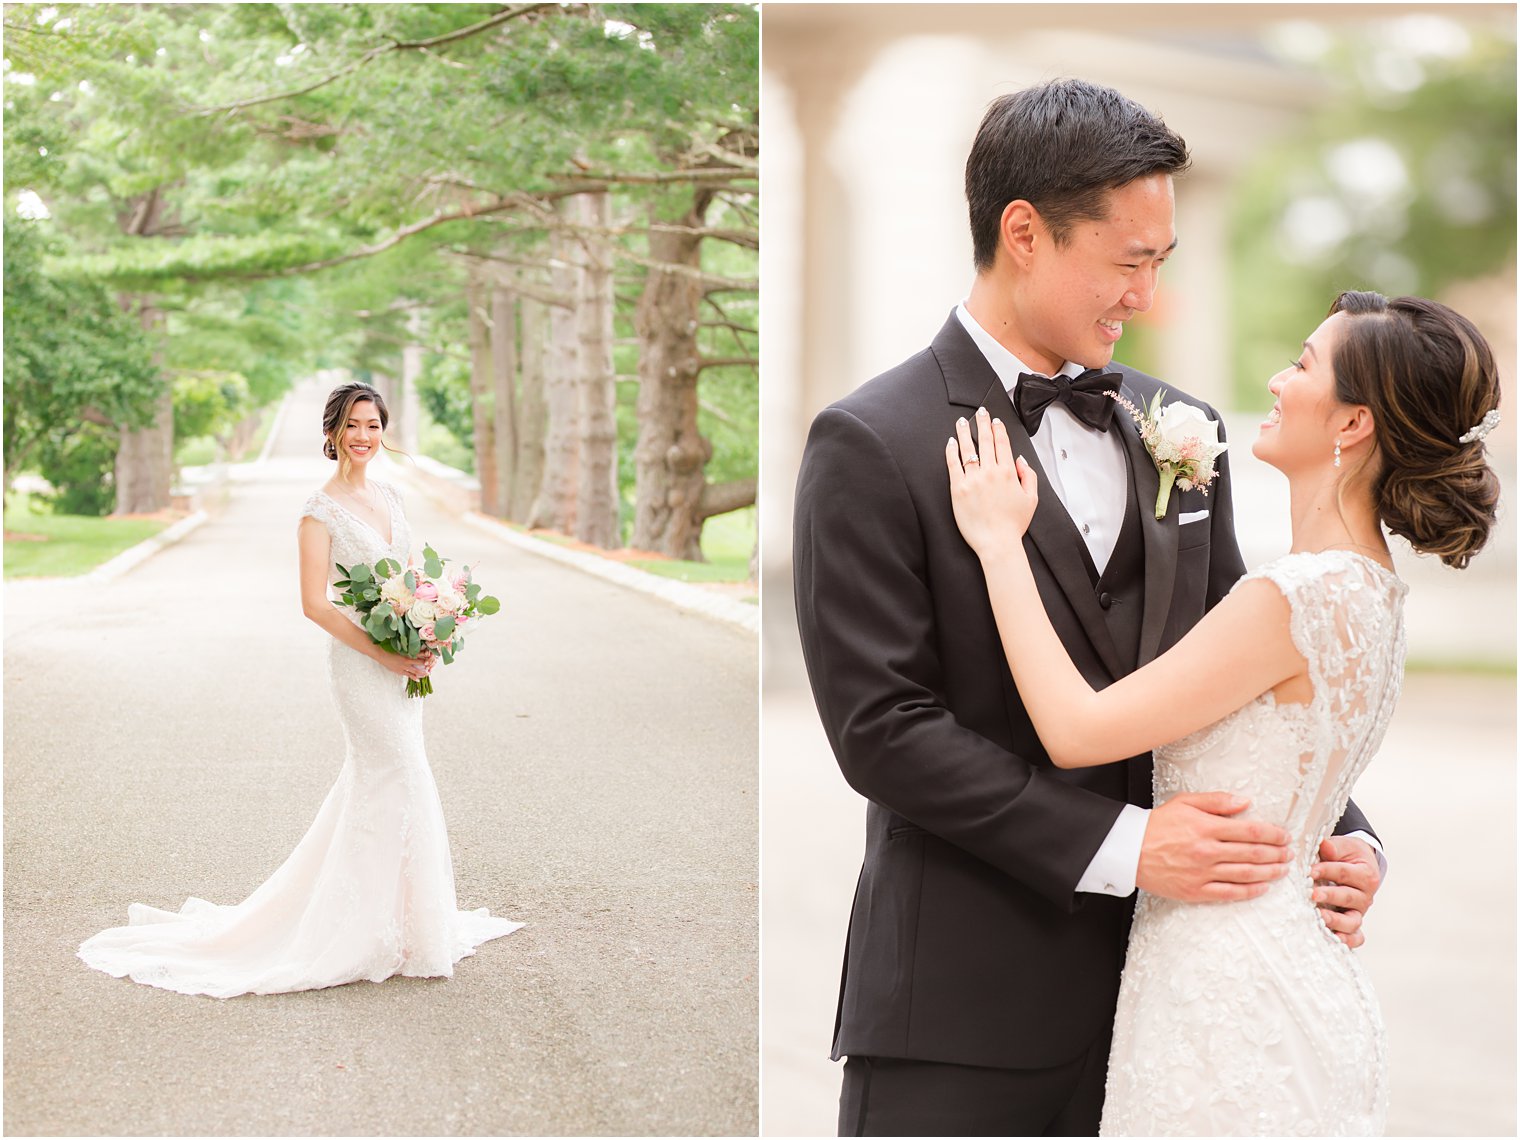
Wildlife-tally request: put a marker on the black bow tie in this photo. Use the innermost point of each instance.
(1087, 397)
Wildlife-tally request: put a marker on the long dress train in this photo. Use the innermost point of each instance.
(1251, 1018)
(368, 892)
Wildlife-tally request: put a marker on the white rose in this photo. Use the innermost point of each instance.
(1187, 435)
(1179, 422)
(421, 613)
(449, 602)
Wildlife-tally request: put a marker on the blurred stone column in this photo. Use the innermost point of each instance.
(810, 368)
(1193, 303)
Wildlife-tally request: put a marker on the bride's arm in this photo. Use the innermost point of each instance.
(315, 546)
(1240, 649)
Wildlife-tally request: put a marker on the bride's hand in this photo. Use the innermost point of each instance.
(994, 492)
(412, 668)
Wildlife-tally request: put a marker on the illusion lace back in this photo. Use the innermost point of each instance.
(369, 891)
(1252, 1018)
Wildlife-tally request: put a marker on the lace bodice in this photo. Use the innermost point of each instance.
(1251, 1018)
(353, 538)
(1298, 762)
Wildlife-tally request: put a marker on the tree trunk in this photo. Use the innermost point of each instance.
(144, 471)
(556, 506)
(532, 422)
(145, 460)
(671, 454)
(408, 411)
(385, 384)
(235, 445)
(480, 397)
(597, 495)
(504, 377)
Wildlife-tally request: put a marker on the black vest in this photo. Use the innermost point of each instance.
(1121, 586)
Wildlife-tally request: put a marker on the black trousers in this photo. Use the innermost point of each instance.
(887, 1096)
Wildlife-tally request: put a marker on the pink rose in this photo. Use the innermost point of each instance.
(426, 632)
(426, 591)
(461, 581)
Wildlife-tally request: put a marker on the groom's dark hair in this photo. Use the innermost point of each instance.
(1061, 146)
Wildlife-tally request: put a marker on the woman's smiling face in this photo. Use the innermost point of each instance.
(361, 433)
(1298, 434)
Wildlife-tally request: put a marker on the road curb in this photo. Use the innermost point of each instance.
(681, 594)
(135, 555)
(692, 599)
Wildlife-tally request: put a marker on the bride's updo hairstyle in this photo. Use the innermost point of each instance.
(340, 405)
(1428, 377)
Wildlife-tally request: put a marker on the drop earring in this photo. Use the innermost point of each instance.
(1337, 453)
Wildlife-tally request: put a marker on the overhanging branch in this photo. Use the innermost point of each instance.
(375, 53)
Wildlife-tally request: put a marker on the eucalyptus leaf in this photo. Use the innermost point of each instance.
(488, 605)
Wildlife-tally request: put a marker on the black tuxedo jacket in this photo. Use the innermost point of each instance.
(968, 941)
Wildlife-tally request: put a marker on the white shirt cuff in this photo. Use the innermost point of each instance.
(1112, 870)
(1377, 849)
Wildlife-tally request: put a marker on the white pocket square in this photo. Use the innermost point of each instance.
(1191, 516)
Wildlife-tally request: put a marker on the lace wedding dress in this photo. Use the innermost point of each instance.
(1251, 1018)
(368, 893)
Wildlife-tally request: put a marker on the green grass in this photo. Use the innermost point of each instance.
(437, 442)
(75, 544)
(727, 541)
(197, 452)
(1471, 667)
(204, 449)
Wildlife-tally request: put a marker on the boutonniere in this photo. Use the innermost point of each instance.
(1183, 444)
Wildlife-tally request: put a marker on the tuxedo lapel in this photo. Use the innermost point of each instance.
(971, 383)
(1160, 535)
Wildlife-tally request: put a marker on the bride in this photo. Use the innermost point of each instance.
(368, 893)
(1251, 1017)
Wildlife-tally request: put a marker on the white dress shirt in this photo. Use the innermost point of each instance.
(1085, 467)
(1087, 470)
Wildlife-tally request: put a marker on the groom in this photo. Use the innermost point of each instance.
(990, 919)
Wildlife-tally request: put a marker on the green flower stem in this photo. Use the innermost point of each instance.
(1168, 477)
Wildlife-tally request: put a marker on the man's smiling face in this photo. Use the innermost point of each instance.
(1072, 300)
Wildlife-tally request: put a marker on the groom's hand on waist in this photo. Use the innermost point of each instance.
(1345, 880)
(1196, 851)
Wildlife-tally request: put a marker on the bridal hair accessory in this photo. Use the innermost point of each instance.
(1482, 428)
(1337, 453)
(1183, 444)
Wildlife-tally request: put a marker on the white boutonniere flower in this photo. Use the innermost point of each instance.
(1182, 441)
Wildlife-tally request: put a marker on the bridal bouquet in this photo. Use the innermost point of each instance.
(410, 612)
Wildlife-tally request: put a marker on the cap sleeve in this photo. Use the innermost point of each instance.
(316, 508)
(1337, 614)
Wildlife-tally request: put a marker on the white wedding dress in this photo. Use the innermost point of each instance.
(1251, 1018)
(368, 893)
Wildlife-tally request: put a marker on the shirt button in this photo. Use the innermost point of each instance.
(1086, 529)
(1063, 453)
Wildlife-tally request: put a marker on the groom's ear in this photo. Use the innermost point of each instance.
(1017, 232)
